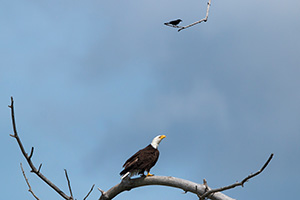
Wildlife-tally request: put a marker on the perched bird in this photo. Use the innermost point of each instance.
(174, 22)
(143, 160)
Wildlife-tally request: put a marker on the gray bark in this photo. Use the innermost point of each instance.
(185, 185)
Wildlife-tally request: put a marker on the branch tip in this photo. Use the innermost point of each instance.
(89, 192)
(102, 192)
(11, 101)
(39, 168)
(31, 153)
(69, 184)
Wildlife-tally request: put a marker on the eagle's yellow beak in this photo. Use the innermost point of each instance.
(162, 137)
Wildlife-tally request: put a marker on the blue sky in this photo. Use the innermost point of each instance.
(94, 81)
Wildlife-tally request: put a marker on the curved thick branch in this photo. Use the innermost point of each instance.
(201, 190)
(187, 186)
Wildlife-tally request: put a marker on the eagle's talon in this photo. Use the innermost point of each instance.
(149, 174)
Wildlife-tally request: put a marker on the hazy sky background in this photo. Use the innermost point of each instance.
(94, 81)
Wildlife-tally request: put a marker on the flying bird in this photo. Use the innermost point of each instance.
(143, 160)
(174, 22)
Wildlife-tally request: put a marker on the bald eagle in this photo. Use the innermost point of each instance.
(143, 160)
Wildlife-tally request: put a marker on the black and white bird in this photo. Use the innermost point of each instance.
(143, 160)
(174, 22)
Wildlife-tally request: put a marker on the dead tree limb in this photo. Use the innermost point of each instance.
(28, 158)
(201, 190)
(201, 20)
(185, 185)
(197, 22)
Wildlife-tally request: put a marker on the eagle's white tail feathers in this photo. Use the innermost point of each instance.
(125, 175)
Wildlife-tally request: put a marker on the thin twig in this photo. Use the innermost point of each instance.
(40, 168)
(29, 187)
(209, 192)
(258, 172)
(69, 184)
(202, 20)
(31, 153)
(28, 158)
(89, 192)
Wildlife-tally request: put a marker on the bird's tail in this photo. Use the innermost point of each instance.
(125, 175)
(167, 23)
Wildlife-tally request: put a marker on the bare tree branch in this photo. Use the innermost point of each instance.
(69, 184)
(197, 22)
(185, 185)
(28, 158)
(89, 192)
(212, 191)
(202, 20)
(29, 187)
(201, 190)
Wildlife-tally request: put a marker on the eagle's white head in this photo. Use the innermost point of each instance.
(155, 142)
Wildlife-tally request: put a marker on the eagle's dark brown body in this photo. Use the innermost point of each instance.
(141, 161)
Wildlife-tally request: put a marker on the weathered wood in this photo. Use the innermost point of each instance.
(185, 185)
